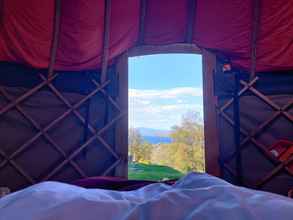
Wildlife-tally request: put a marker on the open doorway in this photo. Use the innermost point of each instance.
(166, 135)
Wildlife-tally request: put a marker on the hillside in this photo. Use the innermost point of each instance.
(141, 171)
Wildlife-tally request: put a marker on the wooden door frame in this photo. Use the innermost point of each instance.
(121, 131)
(209, 99)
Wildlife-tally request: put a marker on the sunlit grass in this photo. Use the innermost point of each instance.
(141, 171)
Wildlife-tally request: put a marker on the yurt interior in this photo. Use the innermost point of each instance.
(64, 108)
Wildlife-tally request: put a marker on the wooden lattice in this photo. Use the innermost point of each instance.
(250, 136)
(43, 131)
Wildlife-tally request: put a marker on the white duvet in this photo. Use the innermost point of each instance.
(195, 196)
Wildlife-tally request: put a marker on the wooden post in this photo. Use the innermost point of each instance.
(121, 135)
(143, 10)
(254, 34)
(210, 115)
(190, 20)
(106, 40)
(55, 39)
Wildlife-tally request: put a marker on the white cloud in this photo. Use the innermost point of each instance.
(170, 93)
(162, 108)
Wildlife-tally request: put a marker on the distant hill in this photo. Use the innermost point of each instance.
(157, 140)
(155, 136)
(154, 132)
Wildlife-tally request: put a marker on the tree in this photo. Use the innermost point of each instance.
(134, 142)
(178, 156)
(190, 131)
(190, 138)
(163, 154)
(145, 153)
(139, 149)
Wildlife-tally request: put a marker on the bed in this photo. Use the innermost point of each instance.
(195, 196)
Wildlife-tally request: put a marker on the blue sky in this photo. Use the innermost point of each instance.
(162, 88)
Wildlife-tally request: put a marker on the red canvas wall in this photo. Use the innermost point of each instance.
(224, 26)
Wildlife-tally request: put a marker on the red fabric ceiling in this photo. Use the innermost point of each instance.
(26, 30)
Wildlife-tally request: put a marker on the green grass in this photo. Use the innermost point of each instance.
(139, 171)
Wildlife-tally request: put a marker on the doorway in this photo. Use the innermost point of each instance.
(166, 130)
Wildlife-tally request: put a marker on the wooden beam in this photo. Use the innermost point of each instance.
(210, 115)
(1, 14)
(171, 48)
(106, 40)
(121, 132)
(143, 10)
(55, 39)
(190, 20)
(254, 36)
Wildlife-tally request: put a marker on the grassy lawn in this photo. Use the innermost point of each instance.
(141, 171)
